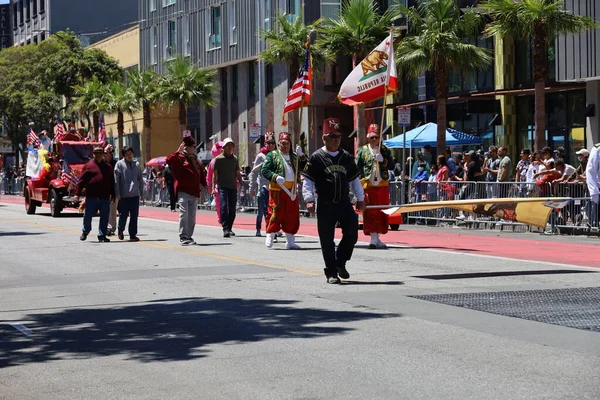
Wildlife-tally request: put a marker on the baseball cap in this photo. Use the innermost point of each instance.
(583, 152)
(470, 153)
(227, 141)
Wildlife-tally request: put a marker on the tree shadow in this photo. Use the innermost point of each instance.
(21, 233)
(167, 330)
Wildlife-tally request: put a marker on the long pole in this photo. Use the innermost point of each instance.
(381, 130)
(261, 69)
(403, 188)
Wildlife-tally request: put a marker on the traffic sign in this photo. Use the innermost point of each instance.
(255, 131)
(404, 115)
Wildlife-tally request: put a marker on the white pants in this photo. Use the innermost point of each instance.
(188, 205)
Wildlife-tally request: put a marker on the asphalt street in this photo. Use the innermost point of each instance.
(229, 319)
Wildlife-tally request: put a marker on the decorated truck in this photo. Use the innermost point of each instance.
(52, 177)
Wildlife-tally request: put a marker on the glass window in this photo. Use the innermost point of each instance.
(172, 39)
(22, 11)
(233, 39)
(42, 6)
(152, 5)
(214, 38)
(28, 10)
(168, 2)
(35, 8)
(292, 7)
(15, 13)
(187, 45)
(330, 9)
(267, 11)
(154, 45)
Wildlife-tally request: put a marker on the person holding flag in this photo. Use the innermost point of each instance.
(373, 161)
(299, 94)
(281, 168)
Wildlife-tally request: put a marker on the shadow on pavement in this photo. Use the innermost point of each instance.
(63, 215)
(374, 283)
(21, 233)
(167, 330)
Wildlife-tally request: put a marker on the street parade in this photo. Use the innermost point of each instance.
(345, 199)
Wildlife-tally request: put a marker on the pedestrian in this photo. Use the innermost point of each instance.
(112, 215)
(372, 161)
(259, 185)
(216, 151)
(170, 183)
(227, 175)
(129, 186)
(331, 172)
(97, 178)
(281, 168)
(189, 176)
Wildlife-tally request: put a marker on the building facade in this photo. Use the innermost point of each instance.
(164, 135)
(92, 20)
(223, 35)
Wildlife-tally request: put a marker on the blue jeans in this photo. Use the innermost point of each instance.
(129, 207)
(263, 203)
(228, 199)
(92, 206)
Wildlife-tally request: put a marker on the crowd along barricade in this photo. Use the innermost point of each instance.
(580, 212)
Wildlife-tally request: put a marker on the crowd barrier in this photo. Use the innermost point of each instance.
(580, 212)
(12, 186)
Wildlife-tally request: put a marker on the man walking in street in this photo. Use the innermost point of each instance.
(281, 170)
(227, 175)
(112, 215)
(372, 161)
(129, 186)
(259, 185)
(189, 175)
(97, 178)
(332, 173)
(168, 176)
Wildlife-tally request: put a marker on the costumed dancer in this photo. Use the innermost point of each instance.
(259, 185)
(372, 161)
(331, 172)
(280, 168)
(216, 151)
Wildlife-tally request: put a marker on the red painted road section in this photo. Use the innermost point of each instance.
(521, 249)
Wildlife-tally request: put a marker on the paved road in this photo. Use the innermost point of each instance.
(228, 319)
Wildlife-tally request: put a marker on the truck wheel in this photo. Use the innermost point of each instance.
(394, 227)
(30, 205)
(56, 205)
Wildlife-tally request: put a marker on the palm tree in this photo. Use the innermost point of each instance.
(286, 44)
(436, 42)
(121, 100)
(542, 21)
(143, 85)
(358, 29)
(186, 84)
(91, 98)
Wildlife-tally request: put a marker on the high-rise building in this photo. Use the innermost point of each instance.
(92, 20)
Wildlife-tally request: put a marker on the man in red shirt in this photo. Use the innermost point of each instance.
(188, 175)
(97, 178)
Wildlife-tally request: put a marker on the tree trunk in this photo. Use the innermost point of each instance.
(540, 75)
(96, 118)
(120, 129)
(182, 118)
(147, 131)
(89, 121)
(441, 96)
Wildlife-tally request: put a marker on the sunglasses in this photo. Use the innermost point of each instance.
(334, 137)
(373, 137)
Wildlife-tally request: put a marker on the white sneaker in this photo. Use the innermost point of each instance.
(269, 240)
(291, 242)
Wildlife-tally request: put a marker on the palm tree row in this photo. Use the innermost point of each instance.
(183, 85)
(436, 41)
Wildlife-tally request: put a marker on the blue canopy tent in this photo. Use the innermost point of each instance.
(427, 135)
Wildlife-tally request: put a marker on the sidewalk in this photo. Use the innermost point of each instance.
(533, 247)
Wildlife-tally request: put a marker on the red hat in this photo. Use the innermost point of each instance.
(269, 136)
(72, 127)
(284, 136)
(331, 125)
(373, 128)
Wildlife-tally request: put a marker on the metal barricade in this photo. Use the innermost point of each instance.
(581, 211)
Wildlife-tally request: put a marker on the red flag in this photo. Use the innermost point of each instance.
(299, 94)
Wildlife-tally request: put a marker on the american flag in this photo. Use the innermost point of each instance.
(299, 94)
(68, 176)
(32, 139)
(60, 131)
(102, 131)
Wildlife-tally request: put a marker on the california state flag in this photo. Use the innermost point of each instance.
(367, 82)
